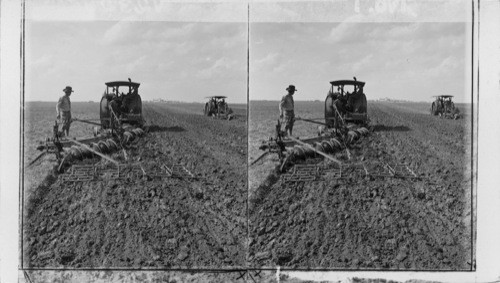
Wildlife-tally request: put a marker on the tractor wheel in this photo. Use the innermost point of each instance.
(140, 121)
(207, 110)
(135, 107)
(133, 104)
(433, 109)
(330, 112)
(105, 114)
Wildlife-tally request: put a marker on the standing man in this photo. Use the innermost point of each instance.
(287, 109)
(63, 110)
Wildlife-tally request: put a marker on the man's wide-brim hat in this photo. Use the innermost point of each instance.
(68, 88)
(291, 88)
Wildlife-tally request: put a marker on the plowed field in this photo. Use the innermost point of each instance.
(137, 222)
(367, 222)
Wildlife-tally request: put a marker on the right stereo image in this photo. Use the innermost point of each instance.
(361, 149)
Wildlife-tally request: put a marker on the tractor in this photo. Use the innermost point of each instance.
(217, 107)
(346, 103)
(121, 104)
(444, 107)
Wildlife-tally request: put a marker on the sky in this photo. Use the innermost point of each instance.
(185, 51)
(181, 61)
(404, 60)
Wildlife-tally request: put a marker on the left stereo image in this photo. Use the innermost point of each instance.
(134, 142)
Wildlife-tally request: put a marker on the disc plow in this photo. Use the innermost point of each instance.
(326, 146)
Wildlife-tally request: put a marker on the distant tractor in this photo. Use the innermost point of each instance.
(346, 103)
(121, 104)
(217, 107)
(443, 106)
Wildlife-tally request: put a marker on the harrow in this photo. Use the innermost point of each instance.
(381, 169)
(314, 172)
(402, 171)
(302, 173)
(178, 171)
(124, 171)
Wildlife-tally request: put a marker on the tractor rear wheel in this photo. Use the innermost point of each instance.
(330, 112)
(433, 109)
(133, 104)
(105, 114)
(207, 110)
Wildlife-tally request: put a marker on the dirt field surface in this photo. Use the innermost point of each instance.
(367, 222)
(196, 221)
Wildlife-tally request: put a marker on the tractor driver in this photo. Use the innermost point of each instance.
(213, 104)
(129, 102)
(441, 103)
(221, 106)
(63, 109)
(447, 104)
(116, 102)
(286, 108)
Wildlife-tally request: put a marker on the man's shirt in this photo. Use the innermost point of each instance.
(64, 104)
(286, 103)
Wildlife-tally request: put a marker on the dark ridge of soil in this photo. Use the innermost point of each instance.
(264, 189)
(38, 195)
(150, 222)
(363, 222)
